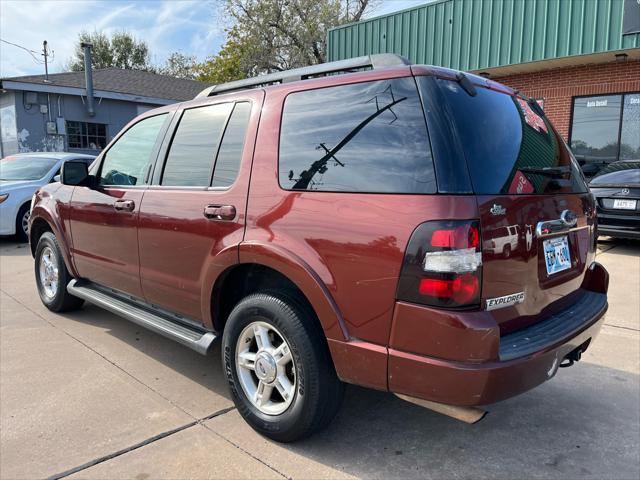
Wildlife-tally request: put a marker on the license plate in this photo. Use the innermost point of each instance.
(624, 204)
(556, 254)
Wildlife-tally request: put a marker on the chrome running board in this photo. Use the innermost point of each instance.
(196, 339)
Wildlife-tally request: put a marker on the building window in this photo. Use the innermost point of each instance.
(605, 128)
(90, 136)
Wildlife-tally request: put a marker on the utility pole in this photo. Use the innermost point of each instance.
(45, 54)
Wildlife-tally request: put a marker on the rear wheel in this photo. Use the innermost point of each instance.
(52, 276)
(22, 223)
(279, 368)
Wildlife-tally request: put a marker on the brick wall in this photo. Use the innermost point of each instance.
(559, 85)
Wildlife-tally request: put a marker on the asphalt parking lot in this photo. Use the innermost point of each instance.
(90, 395)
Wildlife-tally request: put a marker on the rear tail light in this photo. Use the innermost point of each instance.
(443, 265)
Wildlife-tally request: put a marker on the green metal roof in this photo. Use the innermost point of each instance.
(483, 34)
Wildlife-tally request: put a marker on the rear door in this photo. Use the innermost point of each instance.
(104, 217)
(536, 214)
(194, 213)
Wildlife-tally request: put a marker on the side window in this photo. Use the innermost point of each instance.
(127, 161)
(230, 154)
(365, 137)
(195, 145)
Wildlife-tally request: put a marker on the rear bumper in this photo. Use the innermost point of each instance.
(457, 383)
(524, 359)
(619, 225)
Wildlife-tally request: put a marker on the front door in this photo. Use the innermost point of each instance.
(104, 218)
(194, 213)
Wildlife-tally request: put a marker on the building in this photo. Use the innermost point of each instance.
(579, 58)
(55, 114)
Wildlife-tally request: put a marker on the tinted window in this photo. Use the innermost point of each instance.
(594, 131)
(630, 133)
(503, 138)
(194, 146)
(366, 137)
(128, 160)
(624, 176)
(230, 154)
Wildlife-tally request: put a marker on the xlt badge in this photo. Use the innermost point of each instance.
(507, 300)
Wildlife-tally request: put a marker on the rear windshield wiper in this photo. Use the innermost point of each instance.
(554, 172)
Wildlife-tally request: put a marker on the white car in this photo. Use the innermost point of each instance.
(21, 175)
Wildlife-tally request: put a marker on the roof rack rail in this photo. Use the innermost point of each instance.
(380, 60)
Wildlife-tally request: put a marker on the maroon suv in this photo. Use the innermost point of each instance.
(406, 228)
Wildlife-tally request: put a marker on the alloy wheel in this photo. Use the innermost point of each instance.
(48, 269)
(266, 368)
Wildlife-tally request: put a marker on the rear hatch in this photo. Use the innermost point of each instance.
(536, 212)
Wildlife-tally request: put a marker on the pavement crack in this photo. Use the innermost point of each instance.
(138, 445)
(620, 326)
(35, 312)
(246, 452)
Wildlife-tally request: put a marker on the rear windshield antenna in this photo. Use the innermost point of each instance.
(465, 83)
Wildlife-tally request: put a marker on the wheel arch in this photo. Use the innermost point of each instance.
(263, 267)
(41, 222)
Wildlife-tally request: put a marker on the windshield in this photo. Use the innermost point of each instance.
(25, 168)
(509, 145)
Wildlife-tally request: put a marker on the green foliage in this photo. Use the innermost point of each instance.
(276, 35)
(180, 65)
(226, 66)
(122, 50)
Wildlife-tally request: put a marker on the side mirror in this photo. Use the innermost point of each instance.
(75, 172)
(56, 178)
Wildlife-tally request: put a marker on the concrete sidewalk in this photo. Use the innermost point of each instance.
(89, 395)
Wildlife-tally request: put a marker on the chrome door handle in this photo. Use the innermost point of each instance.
(220, 212)
(124, 205)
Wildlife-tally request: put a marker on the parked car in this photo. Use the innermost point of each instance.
(330, 230)
(617, 192)
(20, 176)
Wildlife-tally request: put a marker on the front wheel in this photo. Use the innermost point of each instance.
(52, 276)
(279, 368)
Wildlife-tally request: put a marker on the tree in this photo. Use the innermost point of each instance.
(276, 35)
(122, 50)
(180, 65)
(227, 64)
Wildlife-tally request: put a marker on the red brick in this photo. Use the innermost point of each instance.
(558, 86)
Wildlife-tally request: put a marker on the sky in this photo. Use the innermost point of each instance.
(188, 26)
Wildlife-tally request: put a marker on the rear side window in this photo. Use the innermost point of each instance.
(230, 154)
(507, 143)
(195, 145)
(365, 137)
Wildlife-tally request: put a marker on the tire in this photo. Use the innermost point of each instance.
(22, 229)
(52, 269)
(317, 391)
(506, 252)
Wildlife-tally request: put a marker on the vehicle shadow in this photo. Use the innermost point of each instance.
(584, 423)
(9, 247)
(620, 246)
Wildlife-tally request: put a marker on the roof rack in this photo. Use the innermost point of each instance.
(380, 60)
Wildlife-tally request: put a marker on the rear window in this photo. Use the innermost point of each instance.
(507, 144)
(365, 137)
(618, 174)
